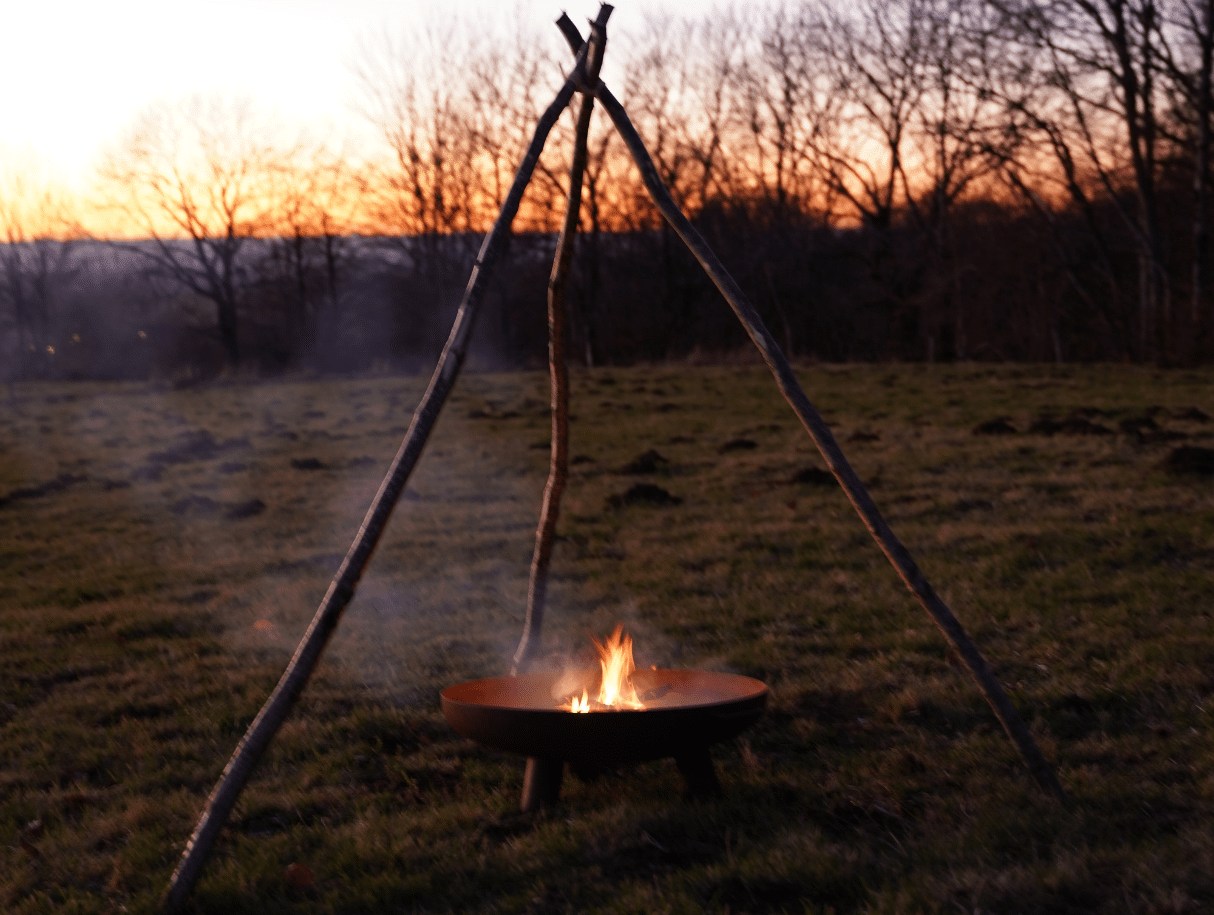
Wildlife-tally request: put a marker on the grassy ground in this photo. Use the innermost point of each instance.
(162, 551)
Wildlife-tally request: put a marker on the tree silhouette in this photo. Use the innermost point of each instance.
(38, 229)
(196, 179)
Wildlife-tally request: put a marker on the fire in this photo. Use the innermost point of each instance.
(616, 691)
(615, 657)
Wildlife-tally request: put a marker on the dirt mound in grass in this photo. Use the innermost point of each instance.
(814, 476)
(60, 483)
(1136, 425)
(1071, 425)
(649, 462)
(195, 505)
(738, 444)
(196, 446)
(997, 426)
(1146, 431)
(643, 494)
(1192, 415)
(1189, 460)
(202, 506)
(1160, 436)
(241, 510)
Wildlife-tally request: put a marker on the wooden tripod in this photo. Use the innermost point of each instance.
(583, 79)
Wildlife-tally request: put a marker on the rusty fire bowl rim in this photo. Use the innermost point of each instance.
(519, 715)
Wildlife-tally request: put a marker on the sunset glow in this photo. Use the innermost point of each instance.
(220, 121)
(295, 61)
(301, 71)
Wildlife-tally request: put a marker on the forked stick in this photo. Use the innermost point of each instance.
(820, 432)
(265, 725)
(558, 472)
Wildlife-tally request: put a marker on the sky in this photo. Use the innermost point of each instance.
(77, 74)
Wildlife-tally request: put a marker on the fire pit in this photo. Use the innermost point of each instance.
(661, 713)
(520, 715)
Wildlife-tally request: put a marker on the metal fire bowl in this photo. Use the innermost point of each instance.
(689, 709)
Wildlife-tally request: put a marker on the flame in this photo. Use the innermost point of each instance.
(617, 690)
(615, 657)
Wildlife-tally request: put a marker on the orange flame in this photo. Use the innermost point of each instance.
(615, 657)
(617, 690)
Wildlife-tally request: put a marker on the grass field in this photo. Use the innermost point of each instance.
(161, 552)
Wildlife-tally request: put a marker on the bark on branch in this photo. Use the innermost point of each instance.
(558, 473)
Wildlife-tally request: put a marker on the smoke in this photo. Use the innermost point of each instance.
(238, 501)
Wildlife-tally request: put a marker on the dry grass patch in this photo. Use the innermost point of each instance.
(162, 551)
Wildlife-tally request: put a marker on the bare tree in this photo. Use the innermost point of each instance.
(454, 107)
(195, 180)
(1097, 105)
(507, 82)
(956, 146)
(1188, 62)
(37, 232)
(779, 107)
(711, 109)
(416, 94)
(654, 81)
(871, 141)
(870, 61)
(680, 77)
(602, 194)
(314, 199)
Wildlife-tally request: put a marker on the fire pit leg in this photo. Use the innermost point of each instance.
(698, 773)
(542, 783)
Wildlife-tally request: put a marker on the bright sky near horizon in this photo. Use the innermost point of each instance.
(77, 74)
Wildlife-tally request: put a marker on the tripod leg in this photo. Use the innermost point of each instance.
(698, 773)
(542, 783)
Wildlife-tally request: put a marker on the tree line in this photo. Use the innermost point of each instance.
(887, 179)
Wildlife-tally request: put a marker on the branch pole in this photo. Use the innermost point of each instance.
(558, 471)
(824, 439)
(259, 734)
